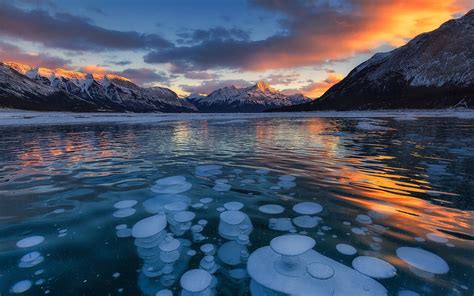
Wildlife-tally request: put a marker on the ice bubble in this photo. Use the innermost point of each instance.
(221, 181)
(364, 219)
(229, 253)
(176, 206)
(234, 223)
(59, 211)
(39, 282)
(307, 208)
(196, 280)
(30, 241)
(306, 221)
(262, 171)
(124, 232)
(347, 223)
(116, 274)
(238, 273)
(358, 230)
(346, 249)
(21, 286)
(437, 238)
(30, 260)
(125, 204)
(202, 222)
(121, 226)
(221, 187)
(123, 213)
(237, 171)
(156, 204)
(208, 264)
(407, 293)
(208, 249)
(191, 253)
(198, 205)
(232, 217)
(419, 239)
(220, 209)
(423, 260)
(292, 244)
(233, 205)
(169, 244)
(208, 170)
(149, 226)
(275, 187)
(271, 209)
(32, 256)
(320, 270)
(206, 200)
(286, 184)
(280, 224)
(164, 292)
(247, 181)
(374, 267)
(183, 216)
(171, 185)
(287, 178)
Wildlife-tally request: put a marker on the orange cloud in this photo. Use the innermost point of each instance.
(94, 69)
(316, 89)
(375, 24)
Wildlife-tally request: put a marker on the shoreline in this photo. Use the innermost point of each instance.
(15, 117)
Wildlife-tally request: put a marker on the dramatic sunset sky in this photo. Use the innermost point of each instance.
(200, 45)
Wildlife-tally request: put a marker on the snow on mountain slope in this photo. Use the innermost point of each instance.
(256, 98)
(433, 70)
(101, 92)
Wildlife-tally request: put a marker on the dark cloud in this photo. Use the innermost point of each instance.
(213, 34)
(144, 75)
(209, 86)
(12, 53)
(202, 75)
(282, 79)
(309, 33)
(67, 31)
(119, 63)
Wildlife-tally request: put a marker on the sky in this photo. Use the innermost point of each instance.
(197, 46)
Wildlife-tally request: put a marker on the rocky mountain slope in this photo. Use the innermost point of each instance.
(434, 70)
(256, 98)
(24, 87)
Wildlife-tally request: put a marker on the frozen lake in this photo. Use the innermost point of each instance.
(383, 201)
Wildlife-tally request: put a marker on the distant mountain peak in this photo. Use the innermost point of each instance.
(264, 86)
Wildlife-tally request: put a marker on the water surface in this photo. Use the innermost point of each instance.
(61, 183)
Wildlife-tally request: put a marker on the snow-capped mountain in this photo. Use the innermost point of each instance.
(256, 98)
(433, 70)
(25, 87)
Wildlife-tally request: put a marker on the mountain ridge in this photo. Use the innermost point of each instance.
(433, 70)
(255, 98)
(44, 89)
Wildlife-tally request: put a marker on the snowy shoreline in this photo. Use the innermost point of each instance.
(11, 117)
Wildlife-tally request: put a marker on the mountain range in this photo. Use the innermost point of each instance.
(43, 89)
(256, 98)
(433, 70)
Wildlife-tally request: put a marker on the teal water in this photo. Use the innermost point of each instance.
(414, 178)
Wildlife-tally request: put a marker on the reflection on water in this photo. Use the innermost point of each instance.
(415, 179)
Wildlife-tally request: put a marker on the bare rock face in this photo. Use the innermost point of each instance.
(256, 98)
(434, 70)
(24, 87)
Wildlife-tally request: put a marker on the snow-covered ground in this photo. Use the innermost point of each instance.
(10, 117)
